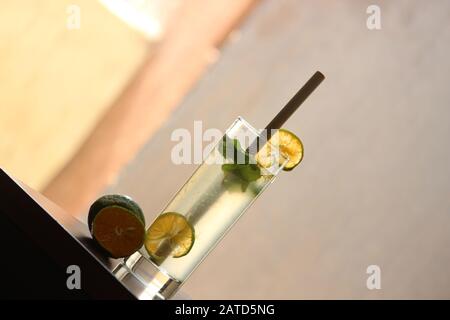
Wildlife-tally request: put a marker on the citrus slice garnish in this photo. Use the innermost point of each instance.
(288, 144)
(170, 235)
(118, 230)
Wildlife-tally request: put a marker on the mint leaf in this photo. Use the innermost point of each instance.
(249, 172)
(228, 147)
(242, 173)
(244, 186)
(231, 149)
(229, 167)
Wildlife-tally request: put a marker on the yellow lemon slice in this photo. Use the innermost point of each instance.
(170, 235)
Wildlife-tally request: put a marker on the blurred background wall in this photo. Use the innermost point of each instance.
(372, 189)
(57, 80)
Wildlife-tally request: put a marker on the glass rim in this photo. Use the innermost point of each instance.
(258, 133)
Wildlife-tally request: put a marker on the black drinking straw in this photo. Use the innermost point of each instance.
(288, 110)
(295, 102)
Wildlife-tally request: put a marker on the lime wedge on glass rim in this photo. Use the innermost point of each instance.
(288, 144)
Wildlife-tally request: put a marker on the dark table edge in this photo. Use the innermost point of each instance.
(57, 242)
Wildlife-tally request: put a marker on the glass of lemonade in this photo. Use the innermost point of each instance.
(220, 190)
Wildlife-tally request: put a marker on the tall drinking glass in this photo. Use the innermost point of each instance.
(220, 190)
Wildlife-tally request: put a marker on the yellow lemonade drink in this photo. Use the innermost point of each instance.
(209, 203)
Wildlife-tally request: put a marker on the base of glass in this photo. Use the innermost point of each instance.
(157, 285)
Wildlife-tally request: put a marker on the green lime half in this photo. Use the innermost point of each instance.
(117, 224)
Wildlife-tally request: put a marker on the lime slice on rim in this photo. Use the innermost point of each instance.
(289, 145)
(170, 235)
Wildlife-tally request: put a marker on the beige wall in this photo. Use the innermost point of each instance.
(55, 83)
